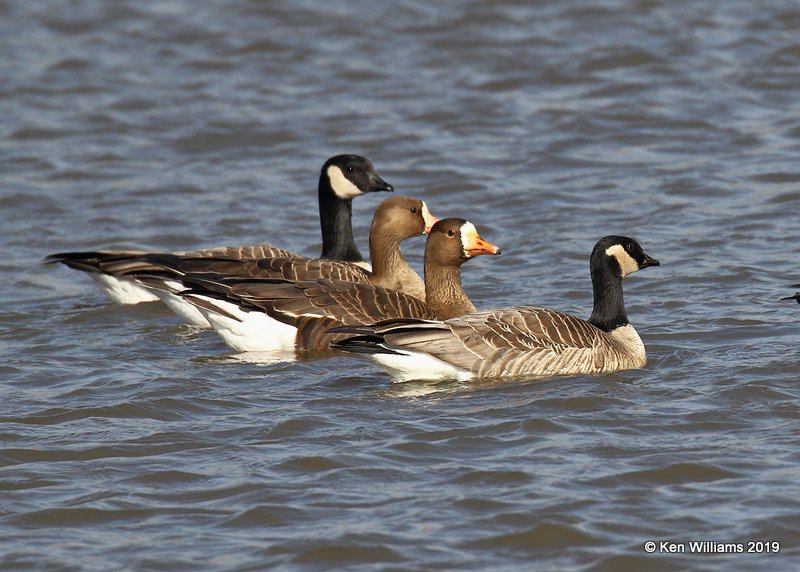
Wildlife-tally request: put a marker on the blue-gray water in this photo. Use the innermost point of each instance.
(131, 442)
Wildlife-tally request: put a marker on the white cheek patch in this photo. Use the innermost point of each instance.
(468, 235)
(341, 185)
(625, 260)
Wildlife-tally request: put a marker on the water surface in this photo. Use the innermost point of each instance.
(133, 442)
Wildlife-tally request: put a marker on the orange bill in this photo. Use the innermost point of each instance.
(475, 245)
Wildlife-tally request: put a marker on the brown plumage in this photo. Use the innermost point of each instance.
(313, 306)
(395, 220)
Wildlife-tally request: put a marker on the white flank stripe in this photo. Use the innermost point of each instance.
(411, 366)
(122, 290)
(187, 311)
(251, 331)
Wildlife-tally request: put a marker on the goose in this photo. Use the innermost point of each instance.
(519, 341)
(342, 178)
(281, 315)
(796, 296)
(394, 220)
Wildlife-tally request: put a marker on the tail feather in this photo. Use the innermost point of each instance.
(365, 330)
(87, 261)
(388, 326)
(119, 263)
(363, 345)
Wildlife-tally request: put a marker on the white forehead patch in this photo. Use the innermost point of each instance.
(626, 261)
(341, 185)
(468, 234)
(429, 219)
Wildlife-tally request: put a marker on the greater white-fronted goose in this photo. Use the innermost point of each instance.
(341, 179)
(395, 220)
(278, 315)
(523, 341)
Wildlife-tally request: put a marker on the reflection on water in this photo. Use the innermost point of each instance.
(258, 358)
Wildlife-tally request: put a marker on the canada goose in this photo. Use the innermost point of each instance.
(796, 296)
(341, 179)
(520, 341)
(272, 315)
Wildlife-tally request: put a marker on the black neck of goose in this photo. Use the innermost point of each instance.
(609, 305)
(335, 217)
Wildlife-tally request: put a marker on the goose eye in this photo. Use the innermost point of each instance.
(413, 209)
(629, 247)
(451, 232)
(349, 168)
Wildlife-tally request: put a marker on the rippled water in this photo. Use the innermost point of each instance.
(132, 442)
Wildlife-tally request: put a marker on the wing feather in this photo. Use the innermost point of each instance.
(250, 251)
(516, 341)
(314, 306)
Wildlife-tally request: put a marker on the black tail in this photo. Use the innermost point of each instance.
(86, 261)
(361, 330)
(205, 286)
(384, 326)
(119, 263)
(362, 345)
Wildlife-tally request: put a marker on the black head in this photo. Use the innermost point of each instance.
(622, 254)
(349, 176)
